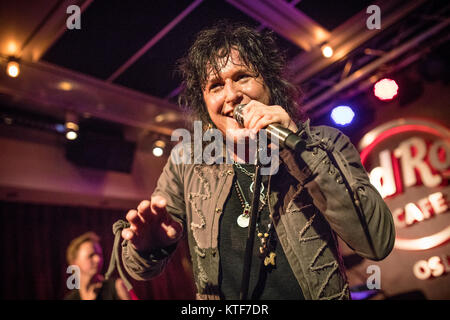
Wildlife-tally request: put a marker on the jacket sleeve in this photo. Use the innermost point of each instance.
(331, 170)
(147, 265)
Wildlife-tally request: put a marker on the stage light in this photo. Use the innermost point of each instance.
(59, 127)
(385, 89)
(12, 48)
(71, 125)
(71, 135)
(12, 68)
(65, 86)
(158, 148)
(342, 115)
(327, 51)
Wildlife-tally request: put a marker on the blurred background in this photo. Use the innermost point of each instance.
(88, 103)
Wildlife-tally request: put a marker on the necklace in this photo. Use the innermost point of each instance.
(243, 219)
(262, 197)
(250, 174)
(266, 249)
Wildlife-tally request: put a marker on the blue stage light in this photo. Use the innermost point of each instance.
(342, 115)
(59, 127)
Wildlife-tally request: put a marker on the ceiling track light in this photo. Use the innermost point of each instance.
(159, 147)
(71, 126)
(385, 89)
(327, 51)
(13, 67)
(71, 135)
(342, 115)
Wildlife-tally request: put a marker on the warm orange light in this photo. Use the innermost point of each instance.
(12, 69)
(65, 86)
(72, 126)
(11, 48)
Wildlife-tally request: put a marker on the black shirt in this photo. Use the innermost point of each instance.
(266, 283)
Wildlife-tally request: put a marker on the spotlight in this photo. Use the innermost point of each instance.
(71, 126)
(65, 86)
(342, 115)
(59, 127)
(71, 135)
(158, 148)
(327, 51)
(12, 48)
(12, 68)
(385, 89)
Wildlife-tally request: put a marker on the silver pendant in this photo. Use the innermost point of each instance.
(261, 190)
(243, 220)
(262, 196)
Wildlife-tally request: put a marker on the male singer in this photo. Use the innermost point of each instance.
(320, 191)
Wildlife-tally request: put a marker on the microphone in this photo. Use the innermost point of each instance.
(285, 136)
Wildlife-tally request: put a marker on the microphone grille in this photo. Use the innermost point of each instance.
(238, 114)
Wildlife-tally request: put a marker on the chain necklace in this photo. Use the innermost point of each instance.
(243, 219)
(250, 174)
(265, 249)
(262, 197)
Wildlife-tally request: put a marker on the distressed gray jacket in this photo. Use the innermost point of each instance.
(316, 196)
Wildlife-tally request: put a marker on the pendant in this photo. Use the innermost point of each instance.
(270, 259)
(262, 196)
(243, 220)
(262, 188)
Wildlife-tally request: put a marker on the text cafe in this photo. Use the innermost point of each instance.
(408, 162)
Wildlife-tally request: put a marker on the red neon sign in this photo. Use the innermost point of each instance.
(411, 213)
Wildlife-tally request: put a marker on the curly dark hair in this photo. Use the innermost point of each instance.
(258, 51)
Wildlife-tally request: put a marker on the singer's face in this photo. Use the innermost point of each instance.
(236, 84)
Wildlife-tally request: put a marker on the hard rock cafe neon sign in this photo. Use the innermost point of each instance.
(408, 161)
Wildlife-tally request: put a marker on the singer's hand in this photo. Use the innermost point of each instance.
(151, 226)
(258, 116)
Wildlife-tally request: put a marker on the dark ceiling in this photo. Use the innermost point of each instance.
(113, 31)
(120, 65)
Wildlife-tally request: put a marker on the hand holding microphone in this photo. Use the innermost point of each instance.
(285, 136)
